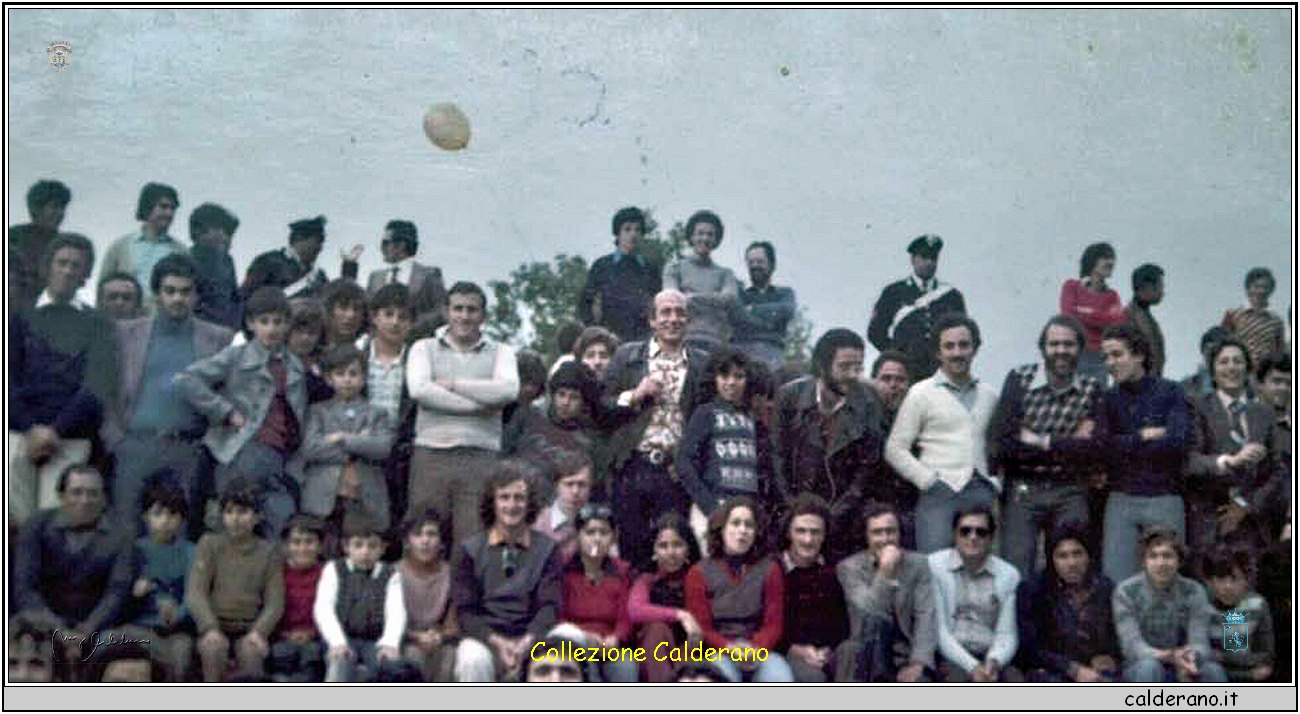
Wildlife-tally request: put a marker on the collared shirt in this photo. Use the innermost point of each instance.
(966, 394)
(667, 423)
(823, 407)
(403, 268)
(497, 536)
(558, 517)
(976, 606)
(618, 256)
(1240, 427)
(788, 564)
(925, 285)
(146, 252)
(47, 299)
(1057, 412)
(327, 594)
(384, 382)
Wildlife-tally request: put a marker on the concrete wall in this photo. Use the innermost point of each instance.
(1019, 136)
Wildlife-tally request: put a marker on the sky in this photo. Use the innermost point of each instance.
(1019, 136)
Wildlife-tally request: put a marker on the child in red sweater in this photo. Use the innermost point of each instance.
(594, 601)
(298, 655)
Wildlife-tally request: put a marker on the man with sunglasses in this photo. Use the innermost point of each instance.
(423, 282)
(975, 603)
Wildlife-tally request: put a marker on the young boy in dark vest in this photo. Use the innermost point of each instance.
(360, 611)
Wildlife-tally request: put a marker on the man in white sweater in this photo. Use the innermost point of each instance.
(946, 416)
(461, 380)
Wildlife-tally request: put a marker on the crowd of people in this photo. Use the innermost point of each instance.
(291, 478)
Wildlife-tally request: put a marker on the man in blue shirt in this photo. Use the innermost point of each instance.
(765, 310)
(620, 286)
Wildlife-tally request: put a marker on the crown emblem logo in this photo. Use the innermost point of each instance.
(1234, 618)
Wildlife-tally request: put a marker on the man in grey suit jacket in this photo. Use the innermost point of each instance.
(428, 296)
(149, 426)
(891, 601)
(1232, 469)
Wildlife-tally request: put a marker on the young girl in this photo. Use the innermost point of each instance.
(738, 595)
(657, 602)
(719, 451)
(594, 609)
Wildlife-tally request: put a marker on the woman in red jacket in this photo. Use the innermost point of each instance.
(738, 597)
(1090, 301)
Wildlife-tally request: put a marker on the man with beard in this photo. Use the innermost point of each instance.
(946, 416)
(904, 316)
(1148, 291)
(765, 310)
(1046, 430)
(150, 425)
(827, 435)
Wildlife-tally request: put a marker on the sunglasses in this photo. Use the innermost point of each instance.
(980, 531)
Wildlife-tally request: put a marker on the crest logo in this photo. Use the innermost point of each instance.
(1236, 636)
(60, 55)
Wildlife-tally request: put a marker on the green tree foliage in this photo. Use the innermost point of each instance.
(798, 341)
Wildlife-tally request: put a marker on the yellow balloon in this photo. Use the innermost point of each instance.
(447, 126)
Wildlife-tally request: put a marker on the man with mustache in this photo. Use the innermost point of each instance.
(765, 310)
(946, 416)
(827, 436)
(1047, 421)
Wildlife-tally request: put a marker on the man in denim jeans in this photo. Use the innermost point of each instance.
(1046, 436)
(946, 417)
(1149, 426)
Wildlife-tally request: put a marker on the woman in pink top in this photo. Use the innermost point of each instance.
(657, 602)
(1090, 301)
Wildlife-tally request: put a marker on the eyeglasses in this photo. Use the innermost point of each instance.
(978, 531)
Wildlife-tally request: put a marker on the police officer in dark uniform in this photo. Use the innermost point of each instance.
(292, 268)
(907, 309)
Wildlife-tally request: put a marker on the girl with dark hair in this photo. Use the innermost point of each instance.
(1067, 626)
(1089, 300)
(738, 596)
(657, 602)
(594, 597)
(719, 454)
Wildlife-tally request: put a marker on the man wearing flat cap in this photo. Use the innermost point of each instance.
(907, 310)
(292, 268)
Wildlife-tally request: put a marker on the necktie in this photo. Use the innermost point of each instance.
(392, 275)
(1236, 410)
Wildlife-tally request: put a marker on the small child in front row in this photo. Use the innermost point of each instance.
(1227, 573)
(235, 591)
(348, 438)
(164, 559)
(297, 654)
(360, 610)
(431, 628)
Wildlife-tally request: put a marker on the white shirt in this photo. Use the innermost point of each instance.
(404, 268)
(47, 299)
(327, 620)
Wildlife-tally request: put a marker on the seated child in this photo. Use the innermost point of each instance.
(359, 608)
(1249, 655)
(164, 559)
(297, 654)
(235, 591)
(346, 443)
(431, 629)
